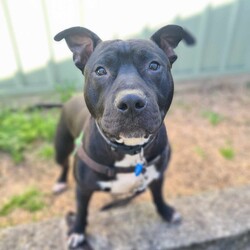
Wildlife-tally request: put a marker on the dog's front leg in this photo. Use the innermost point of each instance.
(167, 212)
(77, 232)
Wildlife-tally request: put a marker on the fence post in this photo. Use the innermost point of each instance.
(201, 40)
(19, 76)
(247, 55)
(50, 67)
(232, 18)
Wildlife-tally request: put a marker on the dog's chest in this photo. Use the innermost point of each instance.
(129, 182)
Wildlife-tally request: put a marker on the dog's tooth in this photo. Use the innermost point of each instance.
(119, 140)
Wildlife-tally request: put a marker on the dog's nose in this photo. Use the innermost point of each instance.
(131, 103)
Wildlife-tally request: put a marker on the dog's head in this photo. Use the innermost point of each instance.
(128, 84)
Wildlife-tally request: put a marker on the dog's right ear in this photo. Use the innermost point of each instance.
(81, 42)
(168, 38)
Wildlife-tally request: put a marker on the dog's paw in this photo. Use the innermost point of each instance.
(170, 215)
(59, 187)
(176, 218)
(75, 240)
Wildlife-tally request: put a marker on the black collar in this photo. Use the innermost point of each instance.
(131, 150)
(107, 170)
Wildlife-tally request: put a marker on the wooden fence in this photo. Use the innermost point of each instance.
(223, 39)
(222, 48)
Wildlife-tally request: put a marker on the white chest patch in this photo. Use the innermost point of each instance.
(128, 182)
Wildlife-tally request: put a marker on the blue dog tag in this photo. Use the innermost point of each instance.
(138, 169)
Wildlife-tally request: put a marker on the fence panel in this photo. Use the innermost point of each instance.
(222, 48)
(222, 42)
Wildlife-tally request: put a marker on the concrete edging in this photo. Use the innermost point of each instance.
(212, 221)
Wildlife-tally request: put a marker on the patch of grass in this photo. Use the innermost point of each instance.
(31, 200)
(227, 152)
(19, 129)
(200, 151)
(213, 117)
(46, 151)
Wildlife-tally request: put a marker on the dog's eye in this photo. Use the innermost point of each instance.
(154, 66)
(100, 71)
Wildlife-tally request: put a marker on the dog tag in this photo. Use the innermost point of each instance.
(140, 165)
(138, 169)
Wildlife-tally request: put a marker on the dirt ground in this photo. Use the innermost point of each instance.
(197, 163)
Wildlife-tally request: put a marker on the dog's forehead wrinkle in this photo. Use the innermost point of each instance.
(125, 47)
(113, 45)
(108, 53)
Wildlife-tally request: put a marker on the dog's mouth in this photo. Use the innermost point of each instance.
(131, 139)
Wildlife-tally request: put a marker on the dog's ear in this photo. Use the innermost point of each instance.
(81, 42)
(168, 37)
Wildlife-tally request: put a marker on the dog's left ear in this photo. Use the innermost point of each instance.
(168, 37)
(81, 42)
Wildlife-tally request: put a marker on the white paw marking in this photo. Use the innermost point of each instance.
(176, 217)
(59, 187)
(75, 240)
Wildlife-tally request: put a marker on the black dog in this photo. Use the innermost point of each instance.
(128, 90)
